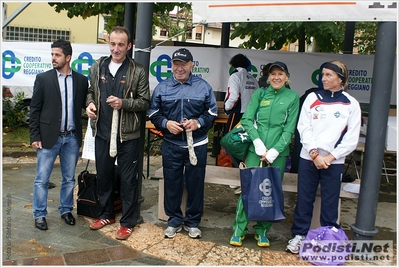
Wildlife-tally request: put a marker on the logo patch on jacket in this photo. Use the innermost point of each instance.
(265, 103)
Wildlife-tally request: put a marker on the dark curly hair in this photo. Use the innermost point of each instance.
(239, 60)
(64, 45)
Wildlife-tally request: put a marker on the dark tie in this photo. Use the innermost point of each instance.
(66, 105)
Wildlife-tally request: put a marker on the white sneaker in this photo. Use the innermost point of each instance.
(233, 186)
(170, 232)
(295, 243)
(238, 191)
(193, 232)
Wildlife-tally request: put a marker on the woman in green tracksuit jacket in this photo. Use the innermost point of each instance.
(275, 110)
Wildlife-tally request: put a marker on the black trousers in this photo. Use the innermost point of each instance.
(127, 161)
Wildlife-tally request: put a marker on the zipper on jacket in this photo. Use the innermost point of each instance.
(131, 94)
(98, 98)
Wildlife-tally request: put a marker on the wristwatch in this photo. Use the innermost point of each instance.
(198, 124)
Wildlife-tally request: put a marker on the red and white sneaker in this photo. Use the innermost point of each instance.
(123, 233)
(100, 223)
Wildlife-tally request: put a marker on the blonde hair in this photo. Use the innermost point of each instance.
(344, 69)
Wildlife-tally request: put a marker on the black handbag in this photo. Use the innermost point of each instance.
(87, 195)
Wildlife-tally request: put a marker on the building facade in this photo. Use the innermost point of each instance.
(39, 22)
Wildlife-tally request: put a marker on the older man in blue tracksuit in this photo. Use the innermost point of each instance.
(183, 106)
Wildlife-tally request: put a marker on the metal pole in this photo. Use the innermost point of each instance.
(143, 40)
(364, 227)
(349, 37)
(130, 10)
(15, 14)
(225, 34)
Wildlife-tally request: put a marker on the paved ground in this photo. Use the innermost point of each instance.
(23, 244)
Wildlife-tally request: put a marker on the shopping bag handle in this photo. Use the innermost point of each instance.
(261, 164)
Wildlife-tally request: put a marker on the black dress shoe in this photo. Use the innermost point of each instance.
(69, 219)
(40, 223)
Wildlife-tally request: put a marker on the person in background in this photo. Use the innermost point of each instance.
(184, 108)
(329, 127)
(265, 75)
(240, 87)
(118, 92)
(55, 123)
(275, 110)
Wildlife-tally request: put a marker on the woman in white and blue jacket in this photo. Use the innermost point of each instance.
(329, 127)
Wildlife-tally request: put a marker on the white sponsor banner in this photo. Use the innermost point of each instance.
(22, 61)
(231, 11)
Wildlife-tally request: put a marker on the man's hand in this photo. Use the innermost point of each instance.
(37, 145)
(190, 125)
(114, 102)
(91, 111)
(174, 127)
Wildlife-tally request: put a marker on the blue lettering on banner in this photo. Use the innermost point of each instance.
(358, 80)
(32, 59)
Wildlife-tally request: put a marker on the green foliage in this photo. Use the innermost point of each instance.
(365, 37)
(328, 35)
(16, 113)
(86, 10)
(116, 11)
(17, 135)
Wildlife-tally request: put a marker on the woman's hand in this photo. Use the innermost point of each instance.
(323, 162)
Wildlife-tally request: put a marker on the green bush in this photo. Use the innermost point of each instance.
(15, 114)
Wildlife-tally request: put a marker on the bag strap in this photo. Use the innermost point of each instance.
(87, 165)
(261, 164)
(260, 100)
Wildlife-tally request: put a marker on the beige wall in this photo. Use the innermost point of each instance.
(210, 36)
(41, 14)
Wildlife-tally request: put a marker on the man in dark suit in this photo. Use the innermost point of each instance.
(59, 95)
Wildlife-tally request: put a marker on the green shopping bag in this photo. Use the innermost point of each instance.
(236, 142)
